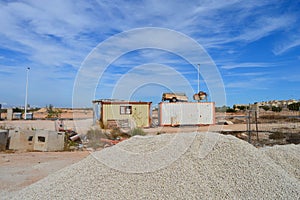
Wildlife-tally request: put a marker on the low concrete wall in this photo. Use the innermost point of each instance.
(21, 139)
(48, 140)
(36, 140)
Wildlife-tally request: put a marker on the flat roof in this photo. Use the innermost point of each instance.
(188, 102)
(120, 102)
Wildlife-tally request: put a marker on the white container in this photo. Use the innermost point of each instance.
(186, 113)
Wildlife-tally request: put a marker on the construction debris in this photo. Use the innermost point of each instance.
(109, 142)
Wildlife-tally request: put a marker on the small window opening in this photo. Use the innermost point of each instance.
(30, 138)
(41, 139)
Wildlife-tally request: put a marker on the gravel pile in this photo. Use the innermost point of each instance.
(286, 156)
(203, 166)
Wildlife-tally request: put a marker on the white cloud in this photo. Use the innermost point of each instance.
(208, 21)
(245, 85)
(53, 32)
(150, 74)
(246, 65)
(107, 52)
(291, 78)
(287, 45)
(246, 74)
(7, 69)
(264, 26)
(45, 31)
(55, 36)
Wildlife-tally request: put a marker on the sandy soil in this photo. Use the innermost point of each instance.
(80, 126)
(66, 113)
(21, 169)
(218, 128)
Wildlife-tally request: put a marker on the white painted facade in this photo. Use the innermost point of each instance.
(186, 113)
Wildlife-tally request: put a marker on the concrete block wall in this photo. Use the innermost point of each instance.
(36, 140)
(21, 139)
(48, 140)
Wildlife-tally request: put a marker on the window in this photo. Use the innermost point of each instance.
(125, 110)
(41, 139)
(30, 138)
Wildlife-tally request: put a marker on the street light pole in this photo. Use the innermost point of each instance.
(26, 94)
(198, 78)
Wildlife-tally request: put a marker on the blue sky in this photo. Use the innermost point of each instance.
(255, 46)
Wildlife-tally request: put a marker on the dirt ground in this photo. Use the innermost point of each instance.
(18, 170)
(66, 113)
(81, 126)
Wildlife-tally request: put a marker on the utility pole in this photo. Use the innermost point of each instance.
(26, 94)
(198, 72)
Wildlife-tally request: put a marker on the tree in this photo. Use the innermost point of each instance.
(276, 109)
(266, 108)
(231, 110)
(17, 109)
(52, 112)
(221, 109)
(242, 107)
(294, 106)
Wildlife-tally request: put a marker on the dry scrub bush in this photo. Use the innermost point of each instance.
(94, 136)
(137, 131)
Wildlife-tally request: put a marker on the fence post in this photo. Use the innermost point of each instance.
(256, 125)
(249, 126)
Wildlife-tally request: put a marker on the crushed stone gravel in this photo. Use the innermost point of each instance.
(232, 169)
(286, 156)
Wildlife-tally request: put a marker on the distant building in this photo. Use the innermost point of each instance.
(272, 103)
(277, 103)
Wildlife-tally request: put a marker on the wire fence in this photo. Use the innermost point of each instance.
(267, 128)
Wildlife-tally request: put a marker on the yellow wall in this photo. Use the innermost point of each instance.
(140, 113)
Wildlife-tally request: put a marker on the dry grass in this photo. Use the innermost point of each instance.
(94, 136)
(277, 119)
